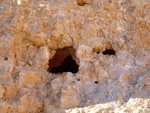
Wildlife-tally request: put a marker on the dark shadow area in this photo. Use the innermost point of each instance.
(68, 65)
(109, 52)
(63, 61)
(5, 58)
(78, 79)
(96, 82)
(81, 2)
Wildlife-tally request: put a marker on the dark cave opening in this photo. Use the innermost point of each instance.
(68, 65)
(109, 52)
(63, 61)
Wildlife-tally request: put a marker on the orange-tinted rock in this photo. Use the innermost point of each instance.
(109, 40)
(2, 90)
(11, 92)
(30, 79)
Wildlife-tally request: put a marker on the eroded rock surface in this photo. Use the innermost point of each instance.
(109, 41)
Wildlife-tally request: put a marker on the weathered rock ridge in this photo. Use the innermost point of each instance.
(105, 45)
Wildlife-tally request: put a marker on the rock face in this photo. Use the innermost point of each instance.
(108, 42)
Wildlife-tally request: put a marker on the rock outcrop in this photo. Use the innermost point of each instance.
(105, 45)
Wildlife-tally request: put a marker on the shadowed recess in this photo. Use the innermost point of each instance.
(68, 65)
(109, 52)
(5, 58)
(63, 61)
(81, 2)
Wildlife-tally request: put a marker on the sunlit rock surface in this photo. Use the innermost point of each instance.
(108, 40)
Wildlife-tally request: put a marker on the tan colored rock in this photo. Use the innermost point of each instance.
(57, 84)
(124, 79)
(6, 59)
(42, 57)
(107, 39)
(84, 52)
(11, 92)
(30, 104)
(30, 79)
(6, 79)
(2, 90)
(69, 98)
(83, 2)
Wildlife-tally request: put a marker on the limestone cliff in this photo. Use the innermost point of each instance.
(74, 56)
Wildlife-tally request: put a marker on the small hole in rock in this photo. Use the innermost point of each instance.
(96, 82)
(5, 58)
(109, 52)
(78, 79)
(81, 2)
(63, 61)
(98, 52)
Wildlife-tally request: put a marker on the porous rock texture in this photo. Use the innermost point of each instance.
(33, 31)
